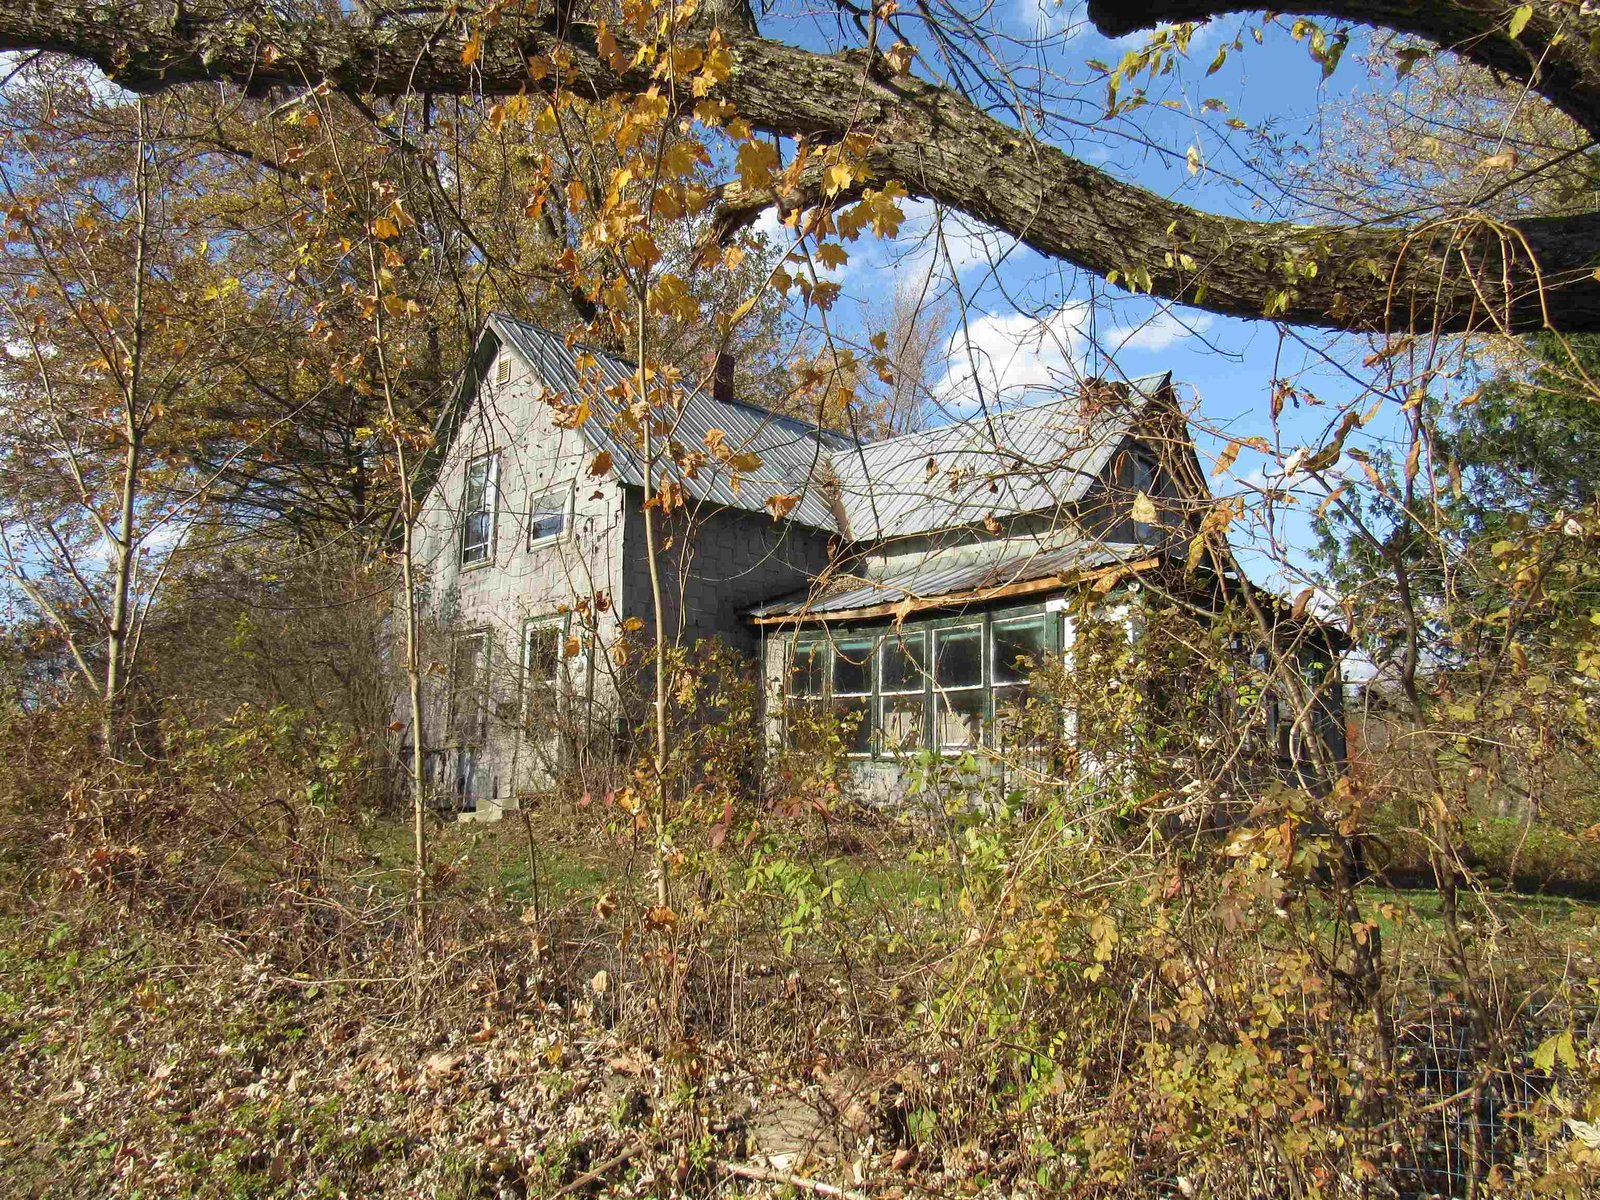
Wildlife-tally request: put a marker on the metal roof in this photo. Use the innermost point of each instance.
(791, 451)
(952, 573)
(1022, 460)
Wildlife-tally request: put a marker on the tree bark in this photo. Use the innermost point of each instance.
(1453, 275)
(124, 542)
(1553, 53)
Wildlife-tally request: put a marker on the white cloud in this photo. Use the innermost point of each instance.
(1156, 333)
(998, 357)
(1002, 356)
(957, 243)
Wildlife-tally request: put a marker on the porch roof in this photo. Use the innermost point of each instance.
(990, 571)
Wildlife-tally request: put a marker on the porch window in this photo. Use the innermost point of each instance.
(547, 515)
(852, 692)
(1019, 650)
(958, 697)
(541, 665)
(806, 688)
(469, 688)
(902, 690)
(477, 509)
(806, 674)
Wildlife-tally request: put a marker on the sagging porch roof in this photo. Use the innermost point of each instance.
(965, 575)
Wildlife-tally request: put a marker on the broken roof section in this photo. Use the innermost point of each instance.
(986, 571)
(1024, 460)
(1021, 460)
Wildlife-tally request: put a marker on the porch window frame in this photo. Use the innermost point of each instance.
(982, 688)
(871, 637)
(1000, 693)
(1058, 628)
(881, 749)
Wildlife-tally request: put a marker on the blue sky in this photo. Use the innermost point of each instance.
(1034, 322)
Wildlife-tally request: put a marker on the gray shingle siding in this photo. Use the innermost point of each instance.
(736, 560)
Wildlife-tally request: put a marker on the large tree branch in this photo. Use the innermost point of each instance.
(1553, 53)
(1451, 276)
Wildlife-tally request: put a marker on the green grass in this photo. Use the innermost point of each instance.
(1422, 910)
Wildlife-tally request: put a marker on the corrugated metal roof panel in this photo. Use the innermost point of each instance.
(1024, 460)
(791, 451)
(954, 573)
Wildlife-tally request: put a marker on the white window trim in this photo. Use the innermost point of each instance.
(885, 696)
(569, 508)
(562, 624)
(502, 367)
(939, 691)
(491, 496)
(871, 640)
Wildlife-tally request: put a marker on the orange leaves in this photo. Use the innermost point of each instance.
(601, 464)
(513, 108)
(683, 157)
(878, 208)
(741, 461)
(756, 162)
(670, 297)
(642, 251)
(610, 53)
(781, 505)
(832, 255)
(841, 175)
(716, 68)
(473, 50)
(396, 307)
(670, 494)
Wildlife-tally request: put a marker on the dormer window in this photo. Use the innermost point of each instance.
(478, 508)
(548, 515)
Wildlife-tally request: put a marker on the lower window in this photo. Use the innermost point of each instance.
(958, 697)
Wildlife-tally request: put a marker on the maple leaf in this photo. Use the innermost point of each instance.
(781, 505)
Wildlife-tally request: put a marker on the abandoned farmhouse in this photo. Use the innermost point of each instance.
(905, 585)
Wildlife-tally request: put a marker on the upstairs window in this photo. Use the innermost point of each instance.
(1142, 478)
(502, 368)
(547, 515)
(478, 508)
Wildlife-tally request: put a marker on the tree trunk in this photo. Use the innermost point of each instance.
(1460, 272)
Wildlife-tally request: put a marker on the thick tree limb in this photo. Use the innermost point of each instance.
(1451, 276)
(1554, 53)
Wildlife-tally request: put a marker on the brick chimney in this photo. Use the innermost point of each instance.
(722, 378)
